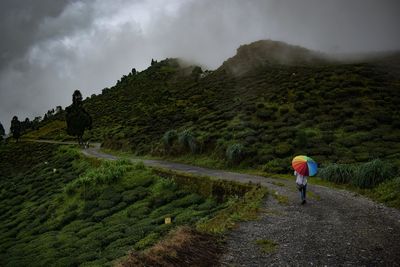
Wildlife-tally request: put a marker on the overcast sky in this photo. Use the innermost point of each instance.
(49, 48)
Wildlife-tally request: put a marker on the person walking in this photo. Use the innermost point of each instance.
(301, 183)
(303, 167)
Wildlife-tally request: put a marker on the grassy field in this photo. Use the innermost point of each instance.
(58, 208)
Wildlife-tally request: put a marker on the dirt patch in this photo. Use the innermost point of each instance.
(183, 247)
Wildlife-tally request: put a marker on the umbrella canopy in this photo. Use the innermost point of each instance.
(304, 165)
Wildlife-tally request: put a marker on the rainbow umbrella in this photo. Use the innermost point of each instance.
(304, 165)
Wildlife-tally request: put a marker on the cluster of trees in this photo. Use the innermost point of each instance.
(18, 127)
(52, 112)
(15, 129)
(78, 120)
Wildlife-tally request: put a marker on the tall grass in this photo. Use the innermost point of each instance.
(169, 138)
(108, 173)
(188, 141)
(366, 175)
(370, 174)
(234, 153)
(338, 173)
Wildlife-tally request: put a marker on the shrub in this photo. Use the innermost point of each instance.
(260, 105)
(283, 110)
(163, 185)
(367, 175)
(234, 153)
(188, 141)
(138, 210)
(301, 139)
(100, 215)
(108, 173)
(149, 240)
(264, 114)
(282, 149)
(370, 174)
(337, 173)
(389, 193)
(136, 194)
(169, 138)
(277, 166)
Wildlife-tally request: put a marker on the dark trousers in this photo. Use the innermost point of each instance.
(303, 190)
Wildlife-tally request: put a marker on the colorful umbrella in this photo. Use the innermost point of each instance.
(304, 165)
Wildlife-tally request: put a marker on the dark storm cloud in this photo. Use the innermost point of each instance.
(51, 47)
(19, 22)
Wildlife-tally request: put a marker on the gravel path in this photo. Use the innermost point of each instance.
(334, 228)
(340, 229)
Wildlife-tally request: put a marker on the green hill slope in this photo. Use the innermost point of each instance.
(266, 104)
(60, 209)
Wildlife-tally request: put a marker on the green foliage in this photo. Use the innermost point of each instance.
(118, 206)
(234, 153)
(149, 240)
(109, 172)
(338, 173)
(188, 141)
(169, 138)
(245, 209)
(301, 139)
(367, 175)
(370, 174)
(388, 192)
(277, 166)
(283, 149)
(207, 187)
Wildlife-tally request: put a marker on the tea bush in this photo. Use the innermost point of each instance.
(277, 166)
(119, 205)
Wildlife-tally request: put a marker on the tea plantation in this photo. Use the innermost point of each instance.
(60, 209)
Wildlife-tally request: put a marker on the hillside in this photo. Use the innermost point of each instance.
(285, 100)
(58, 208)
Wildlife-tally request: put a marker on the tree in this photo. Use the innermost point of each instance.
(25, 125)
(35, 123)
(15, 128)
(78, 120)
(58, 109)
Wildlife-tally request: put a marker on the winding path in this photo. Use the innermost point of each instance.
(334, 228)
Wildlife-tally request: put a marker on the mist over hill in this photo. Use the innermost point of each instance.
(268, 52)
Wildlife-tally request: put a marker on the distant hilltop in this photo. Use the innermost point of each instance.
(268, 52)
